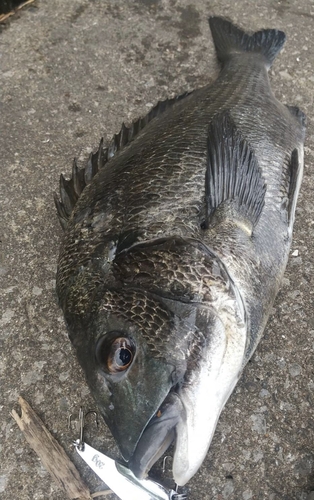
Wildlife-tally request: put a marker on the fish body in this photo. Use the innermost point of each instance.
(176, 240)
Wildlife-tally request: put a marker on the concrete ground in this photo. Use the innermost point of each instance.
(71, 72)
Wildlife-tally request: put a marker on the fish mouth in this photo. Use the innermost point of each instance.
(158, 435)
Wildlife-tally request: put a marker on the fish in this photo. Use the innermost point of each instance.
(176, 239)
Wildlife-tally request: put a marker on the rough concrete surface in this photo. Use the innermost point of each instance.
(71, 72)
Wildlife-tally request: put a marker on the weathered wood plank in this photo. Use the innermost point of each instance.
(52, 455)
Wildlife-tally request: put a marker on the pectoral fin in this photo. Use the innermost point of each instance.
(296, 171)
(233, 183)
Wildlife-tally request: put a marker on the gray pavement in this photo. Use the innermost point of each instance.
(71, 72)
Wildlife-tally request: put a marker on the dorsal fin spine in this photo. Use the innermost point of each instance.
(71, 189)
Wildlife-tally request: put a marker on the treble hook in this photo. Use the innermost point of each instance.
(81, 421)
(179, 496)
(94, 412)
(80, 441)
(164, 463)
(176, 495)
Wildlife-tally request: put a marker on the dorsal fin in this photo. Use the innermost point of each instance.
(233, 174)
(71, 189)
(127, 134)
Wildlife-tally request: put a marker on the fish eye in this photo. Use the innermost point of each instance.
(120, 356)
(115, 355)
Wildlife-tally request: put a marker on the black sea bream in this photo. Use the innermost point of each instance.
(176, 240)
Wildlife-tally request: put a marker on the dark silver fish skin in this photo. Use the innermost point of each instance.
(176, 240)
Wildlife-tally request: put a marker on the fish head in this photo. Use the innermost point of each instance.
(161, 357)
(160, 372)
(133, 354)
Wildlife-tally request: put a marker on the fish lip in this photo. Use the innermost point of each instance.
(157, 436)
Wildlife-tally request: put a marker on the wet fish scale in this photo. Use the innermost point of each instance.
(192, 278)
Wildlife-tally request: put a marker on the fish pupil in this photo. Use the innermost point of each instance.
(123, 357)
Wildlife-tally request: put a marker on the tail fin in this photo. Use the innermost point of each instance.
(229, 39)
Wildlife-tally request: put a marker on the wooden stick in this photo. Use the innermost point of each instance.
(3, 17)
(52, 455)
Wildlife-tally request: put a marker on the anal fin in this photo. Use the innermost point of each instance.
(233, 182)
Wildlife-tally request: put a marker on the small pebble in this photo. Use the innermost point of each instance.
(258, 424)
(296, 262)
(3, 483)
(295, 370)
(228, 489)
(37, 291)
(247, 495)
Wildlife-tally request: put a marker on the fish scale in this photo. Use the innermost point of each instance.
(176, 240)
